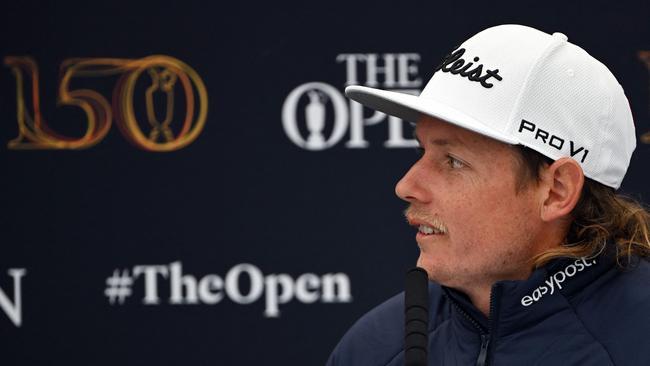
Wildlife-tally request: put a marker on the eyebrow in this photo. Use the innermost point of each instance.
(444, 142)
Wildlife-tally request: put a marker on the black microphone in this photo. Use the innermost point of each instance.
(416, 317)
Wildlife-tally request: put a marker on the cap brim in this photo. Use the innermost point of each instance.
(410, 107)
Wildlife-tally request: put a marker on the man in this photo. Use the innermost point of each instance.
(532, 257)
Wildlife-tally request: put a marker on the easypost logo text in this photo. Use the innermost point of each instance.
(554, 282)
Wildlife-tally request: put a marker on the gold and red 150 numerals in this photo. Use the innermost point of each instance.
(165, 73)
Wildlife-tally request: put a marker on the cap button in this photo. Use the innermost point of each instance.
(561, 36)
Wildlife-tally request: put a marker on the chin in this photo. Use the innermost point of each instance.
(437, 272)
(430, 267)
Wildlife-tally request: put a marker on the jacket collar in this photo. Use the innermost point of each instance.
(516, 305)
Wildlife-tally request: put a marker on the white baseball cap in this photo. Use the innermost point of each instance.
(519, 85)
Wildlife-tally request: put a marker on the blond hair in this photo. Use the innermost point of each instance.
(601, 218)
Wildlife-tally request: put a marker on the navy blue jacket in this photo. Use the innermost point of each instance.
(571, 312)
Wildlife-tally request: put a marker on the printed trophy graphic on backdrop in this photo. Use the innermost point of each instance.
(315, 116)
(325, 106)
(162, 81)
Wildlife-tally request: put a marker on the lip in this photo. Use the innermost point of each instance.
(421, 236)
(416, 223)
(427, 242)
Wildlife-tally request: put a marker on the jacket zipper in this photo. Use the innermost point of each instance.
(482, 355)
(482, 359)
(492, 320)
(485, 336)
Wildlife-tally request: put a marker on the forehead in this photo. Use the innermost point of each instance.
(436, 132)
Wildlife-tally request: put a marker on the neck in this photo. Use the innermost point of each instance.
(479, 294)
(481, 299)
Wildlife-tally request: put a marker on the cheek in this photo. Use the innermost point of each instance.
(482, 220)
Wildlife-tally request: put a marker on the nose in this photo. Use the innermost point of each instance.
(410, 188)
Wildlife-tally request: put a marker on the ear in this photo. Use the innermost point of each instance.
(563, 181)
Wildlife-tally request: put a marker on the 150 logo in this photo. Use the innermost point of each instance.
(316, 115)
(167, 76)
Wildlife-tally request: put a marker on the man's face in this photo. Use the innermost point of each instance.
(474, 227)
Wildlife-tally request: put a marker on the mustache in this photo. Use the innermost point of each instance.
(413, 213)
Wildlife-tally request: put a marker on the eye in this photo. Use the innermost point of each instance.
(455, 163)
(419, 151)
